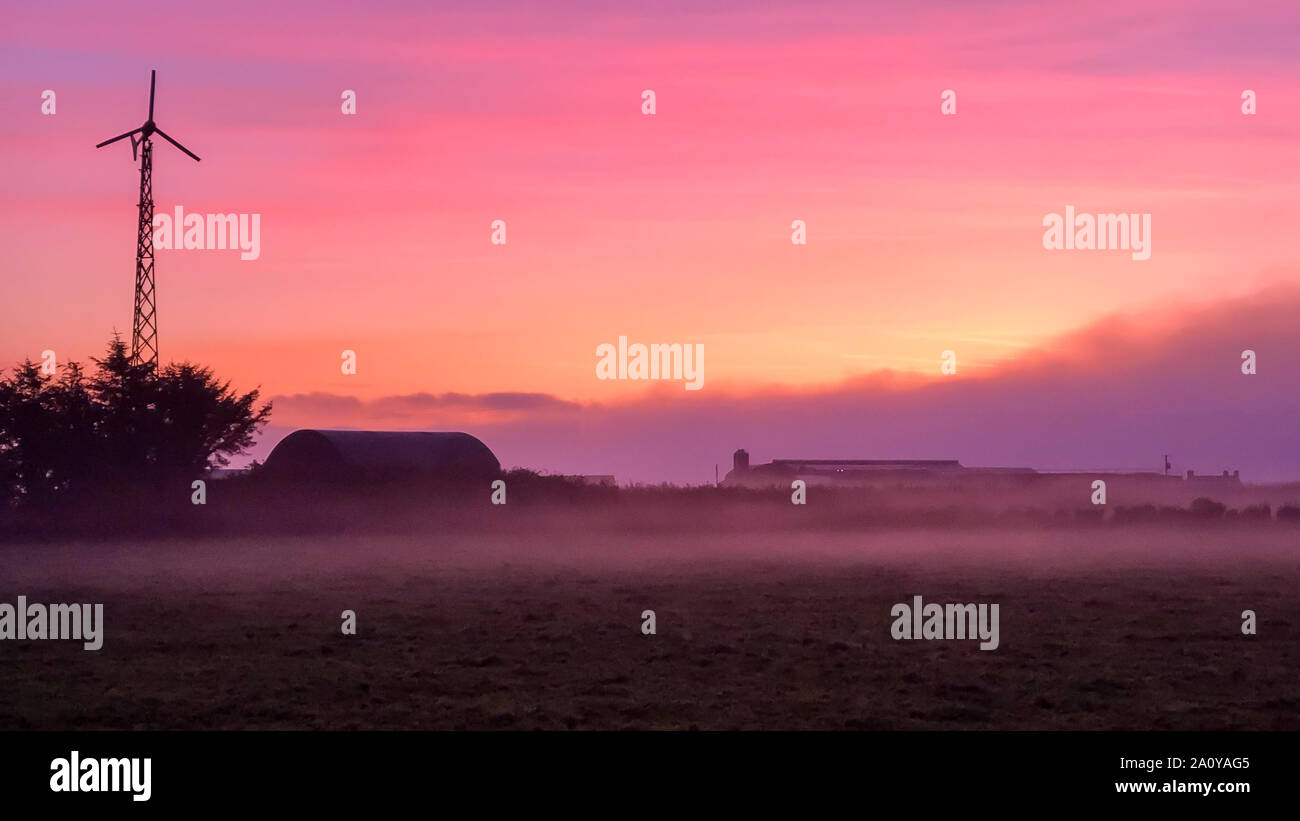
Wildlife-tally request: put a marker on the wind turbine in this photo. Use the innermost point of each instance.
(144, 324)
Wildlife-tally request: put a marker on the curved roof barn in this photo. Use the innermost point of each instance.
(323, 453)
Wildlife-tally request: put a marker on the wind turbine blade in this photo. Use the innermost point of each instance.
(152, 75)
(119, 137)
(163, 134)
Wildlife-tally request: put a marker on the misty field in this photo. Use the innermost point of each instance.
(539, 626)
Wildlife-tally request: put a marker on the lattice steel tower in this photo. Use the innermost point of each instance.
(144, 324)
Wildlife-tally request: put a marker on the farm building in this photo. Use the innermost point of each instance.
(309, 454)
(940, 472)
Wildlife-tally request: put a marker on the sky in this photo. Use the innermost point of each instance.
(924, 230)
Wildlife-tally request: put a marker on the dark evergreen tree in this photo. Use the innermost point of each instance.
(124, 427)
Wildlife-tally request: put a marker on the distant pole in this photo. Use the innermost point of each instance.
(715, 474)
(1167, 465)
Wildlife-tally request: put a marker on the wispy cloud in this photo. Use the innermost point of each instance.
(323, 409)
(1121, 392)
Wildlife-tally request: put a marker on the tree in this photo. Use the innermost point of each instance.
(202, 422)
(124, 426)
(28, 435)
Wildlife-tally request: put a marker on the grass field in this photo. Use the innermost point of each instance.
(538, 626)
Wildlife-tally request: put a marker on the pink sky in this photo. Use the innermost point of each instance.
(924, 230)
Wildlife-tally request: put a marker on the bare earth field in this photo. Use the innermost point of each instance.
(1134, 628)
